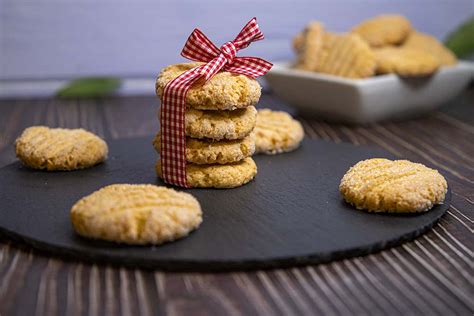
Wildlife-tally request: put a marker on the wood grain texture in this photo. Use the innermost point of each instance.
(431, 275)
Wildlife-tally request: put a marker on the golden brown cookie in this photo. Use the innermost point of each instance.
(298, 42)
(225, 91)
(219, 125)
(41, 147)
(429, 44)
(405, 61)
(346, 55)
(218, 176)
(136, 214)
(221, 152)
(400, 186)
(277, 132)
(384, 30)
(309, 46)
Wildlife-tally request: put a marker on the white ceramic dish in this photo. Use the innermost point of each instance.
(367, 100)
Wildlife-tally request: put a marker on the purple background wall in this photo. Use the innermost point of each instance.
(73, 38)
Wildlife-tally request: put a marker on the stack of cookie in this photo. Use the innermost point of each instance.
(219, 122)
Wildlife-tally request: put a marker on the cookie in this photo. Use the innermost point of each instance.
(224, 91)
(346, 55)
(405, 61)
(298, 42)
(384, 30)
(41, 147)
(277, 132)
(429, 44)
(218, 176)
(136, 214)
(400, 186)
(221, 152)
(309, 46)
(218, 125)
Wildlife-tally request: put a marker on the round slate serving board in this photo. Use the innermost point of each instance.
(291, 214)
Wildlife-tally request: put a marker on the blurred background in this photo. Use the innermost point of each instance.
(45, 43)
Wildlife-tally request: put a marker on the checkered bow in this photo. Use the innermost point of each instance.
(198, 47)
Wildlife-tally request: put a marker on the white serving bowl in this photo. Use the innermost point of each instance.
(367, 100)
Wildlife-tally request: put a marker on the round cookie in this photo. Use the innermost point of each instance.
(400, 186)
(431, 45)
(218, 125)
(277, 132)
(224, 91)
(136, 214)
(405, 61)
(309, 46)
(41, 147)
(298, 42)
(384, 30)
(218, 176)
(208, 152)
(346, 55)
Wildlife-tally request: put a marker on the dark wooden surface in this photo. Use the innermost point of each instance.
(431, 275)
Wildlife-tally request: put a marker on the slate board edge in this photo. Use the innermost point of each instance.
(220, 266)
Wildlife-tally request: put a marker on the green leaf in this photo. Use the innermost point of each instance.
(93, 87)
(461, 41)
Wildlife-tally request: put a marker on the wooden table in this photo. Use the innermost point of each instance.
(431, 275)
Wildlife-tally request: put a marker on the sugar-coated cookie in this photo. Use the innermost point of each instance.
(346, 55)
(277, 132)
(218, 176)
(384, 30)
(136, 214)
(429, 44)
(218, 125)
(41, 147)
(224, 91)
(201, 151)
(298, 42)
(308, 45)
(400, 186)
(405, 61)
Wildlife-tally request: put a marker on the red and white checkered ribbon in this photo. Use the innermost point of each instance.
(173, 104)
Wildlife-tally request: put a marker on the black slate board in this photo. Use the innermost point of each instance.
(291, 214)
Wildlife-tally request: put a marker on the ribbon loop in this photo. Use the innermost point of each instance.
(249, 33)
(199, 47)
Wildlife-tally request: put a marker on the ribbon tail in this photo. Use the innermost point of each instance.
(213, 67)
(172, 126)
(250, 66)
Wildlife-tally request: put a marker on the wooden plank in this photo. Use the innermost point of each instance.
(428, 276)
